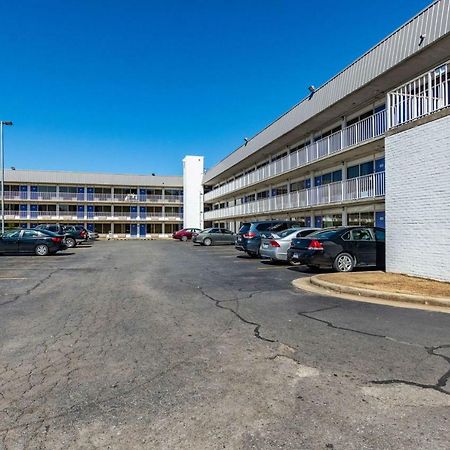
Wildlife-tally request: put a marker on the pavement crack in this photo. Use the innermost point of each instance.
(31, 289)
(256, 330)
(432, 351)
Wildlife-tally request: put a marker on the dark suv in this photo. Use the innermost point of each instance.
(72, 234)
(249, 235)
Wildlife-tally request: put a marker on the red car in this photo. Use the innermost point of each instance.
(185, 234)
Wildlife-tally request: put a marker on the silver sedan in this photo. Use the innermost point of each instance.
(275, 247)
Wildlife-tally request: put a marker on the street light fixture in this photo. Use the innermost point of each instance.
(2, 171)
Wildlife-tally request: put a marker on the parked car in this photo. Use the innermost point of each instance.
(186, 233)
(72, 235)
(342, 248)
(276, 246)
(39, 242)
(92, 235)
(249, 235)
(214, 236)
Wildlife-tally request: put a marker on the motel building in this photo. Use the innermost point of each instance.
(370, 147)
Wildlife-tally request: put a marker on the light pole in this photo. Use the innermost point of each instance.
(2, 163)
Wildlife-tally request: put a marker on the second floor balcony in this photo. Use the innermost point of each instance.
(358, 133)
(88, 216)
(360, 188)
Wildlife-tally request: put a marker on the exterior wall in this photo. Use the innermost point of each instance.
(193, 191)
(418, 199)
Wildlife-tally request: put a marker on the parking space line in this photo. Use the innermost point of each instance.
(13, 278)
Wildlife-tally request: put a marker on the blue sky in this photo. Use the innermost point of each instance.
(133, 86)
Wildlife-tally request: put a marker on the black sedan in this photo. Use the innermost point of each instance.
(39, 242)
(342, 249)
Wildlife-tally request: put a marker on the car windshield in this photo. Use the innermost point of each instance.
(287, 232)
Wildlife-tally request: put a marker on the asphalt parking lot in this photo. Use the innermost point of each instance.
(160, 344)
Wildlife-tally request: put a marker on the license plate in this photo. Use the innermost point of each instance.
(265, 245)
(239, 239)
(296, 255)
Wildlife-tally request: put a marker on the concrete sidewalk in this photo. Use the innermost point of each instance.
(381, 285)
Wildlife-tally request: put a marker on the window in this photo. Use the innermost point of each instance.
(366, 168)
(304, 233)
(361, 234)
(263, 194)
(364, 218)
(31, 233)
(353, 172)
(14, 234)
(214, 231)
(332, 220)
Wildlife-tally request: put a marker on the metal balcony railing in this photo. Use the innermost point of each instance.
(91, 197)
(362, 131)
(422, 96)
(43, 216)
(368, 186)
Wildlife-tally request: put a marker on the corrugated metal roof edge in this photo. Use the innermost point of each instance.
(330, 80)
(157, 178)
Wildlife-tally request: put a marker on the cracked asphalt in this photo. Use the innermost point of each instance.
(163, 345)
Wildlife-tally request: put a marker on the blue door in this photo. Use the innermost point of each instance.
(133, 230)
(142, 195)
(317, 181)
(33, 192)
(90, 211)
(23, 211)
(80, 193)
(80, 212)
(142, 230)
(308, 183)
(142, 212)
(380, 219)
(133, 212)
(90, 227)
(33, 211)
(90, 194)
(379, 165)
(23, 225)
(318, 221)
(307, 221)
(32, 225)
(23, 192)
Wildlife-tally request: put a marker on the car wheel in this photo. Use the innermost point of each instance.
(184, 238)
(41, 250)
(71, 242)
(344, 263)
(207, 242)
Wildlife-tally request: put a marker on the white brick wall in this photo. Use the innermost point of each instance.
(418, 201)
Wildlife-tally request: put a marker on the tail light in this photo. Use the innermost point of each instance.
(83, 234)
(274, 244)
(57, 239)
(249, 235)
(315, 245)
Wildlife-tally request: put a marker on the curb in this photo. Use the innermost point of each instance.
(408, 298)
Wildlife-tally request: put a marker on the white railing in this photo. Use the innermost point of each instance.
(422, 96)
(368, 186)
(362, 131)
(92, 197)
(16, 215)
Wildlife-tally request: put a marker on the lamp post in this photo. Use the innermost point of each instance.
(2, 171)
